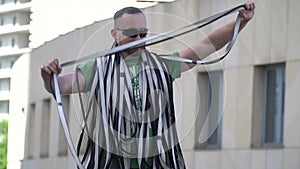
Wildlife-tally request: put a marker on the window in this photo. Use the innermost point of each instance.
(62, 143)
(45, 130)
(13, 42)
(14, 20)
(5, 84)
(267, 121)
(4, 106)
(209, 118)
(273, 104)
(30, 130)
(12, 63)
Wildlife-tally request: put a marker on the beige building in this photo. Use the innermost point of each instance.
(14, 43)
(14, 33)
(239, 113)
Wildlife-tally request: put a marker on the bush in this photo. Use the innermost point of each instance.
(3, 143)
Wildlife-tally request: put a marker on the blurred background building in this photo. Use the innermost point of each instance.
(14, 41)
(252, 95)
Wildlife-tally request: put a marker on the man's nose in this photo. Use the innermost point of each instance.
(138, 37)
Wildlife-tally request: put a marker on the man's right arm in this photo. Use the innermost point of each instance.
(67, 82)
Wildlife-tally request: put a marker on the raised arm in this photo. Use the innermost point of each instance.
(67, 83)
(216, 39)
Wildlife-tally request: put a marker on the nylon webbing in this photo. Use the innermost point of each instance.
(164, 37)
(64, 123)
(120, 87)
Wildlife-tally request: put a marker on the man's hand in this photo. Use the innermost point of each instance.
(248, 13)
(47, 69)
(50, 67)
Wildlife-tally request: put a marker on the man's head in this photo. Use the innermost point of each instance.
(129, 25)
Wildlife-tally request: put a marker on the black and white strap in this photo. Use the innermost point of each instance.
(167, 36)
(64, 123)
(158, 39)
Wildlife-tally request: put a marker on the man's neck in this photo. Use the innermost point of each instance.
(134, 55)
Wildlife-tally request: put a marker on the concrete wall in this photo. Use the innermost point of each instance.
(17, 117)
(271, 37)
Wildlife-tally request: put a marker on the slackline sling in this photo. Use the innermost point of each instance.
(153, 70)
(167, 36)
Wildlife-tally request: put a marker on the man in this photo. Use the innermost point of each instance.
(129, 90)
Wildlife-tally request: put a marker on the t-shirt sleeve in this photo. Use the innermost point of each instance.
(174, 66)
(88, 69)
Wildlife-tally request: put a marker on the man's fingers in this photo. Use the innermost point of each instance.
(51, 66)
(57, 66)
(248, 12)
(45, 72)
(249, 6)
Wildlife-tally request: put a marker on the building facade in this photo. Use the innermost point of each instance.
(14, 42)
(239, 113)
(14, 47)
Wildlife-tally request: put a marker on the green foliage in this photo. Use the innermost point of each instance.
(3, 143)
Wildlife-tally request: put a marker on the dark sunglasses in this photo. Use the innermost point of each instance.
(133, 33)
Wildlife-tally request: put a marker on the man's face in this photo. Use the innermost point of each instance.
(128, 28)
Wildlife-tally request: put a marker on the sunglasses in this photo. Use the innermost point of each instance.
(133, 33)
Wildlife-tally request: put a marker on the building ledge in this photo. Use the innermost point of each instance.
(4, 95)
(4, 116)
(14, 29)
(5, 73)
(14, 52)
(11, 7)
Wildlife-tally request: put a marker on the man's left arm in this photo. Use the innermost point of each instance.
(216, 39)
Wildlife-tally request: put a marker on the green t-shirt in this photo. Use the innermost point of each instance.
(88, 69)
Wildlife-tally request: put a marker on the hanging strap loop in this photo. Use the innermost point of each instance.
(158, 38)
(205, 62)
(64, 123)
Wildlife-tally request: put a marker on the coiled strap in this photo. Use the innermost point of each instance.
(154, 40)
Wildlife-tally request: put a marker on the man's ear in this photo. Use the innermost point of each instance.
(114, 34)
